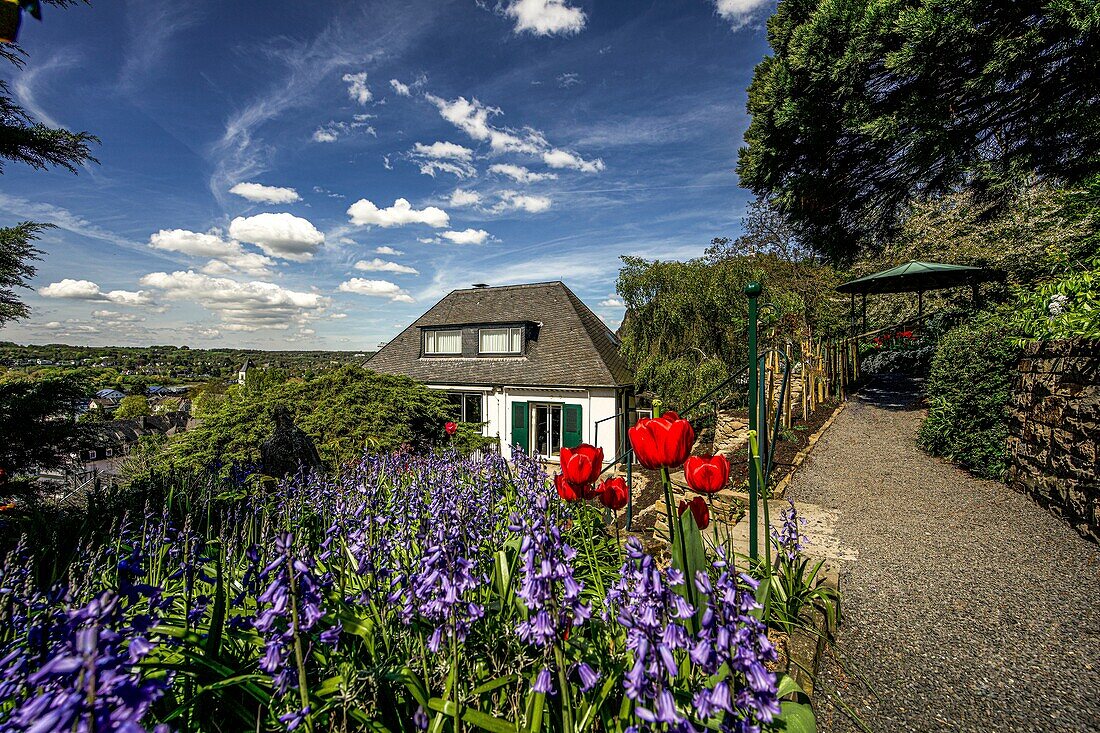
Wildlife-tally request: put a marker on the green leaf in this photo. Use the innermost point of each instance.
(797, 718)
(473, 716)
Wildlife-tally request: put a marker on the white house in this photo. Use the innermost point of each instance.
(531, 362)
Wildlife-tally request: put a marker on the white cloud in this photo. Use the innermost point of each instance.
(739, 12)
(558, 158)
(402, 90)
(227, 256)
(376, 289)
(279, 235)
(266, 194)
(612, 301)
(472, 117)
(242, 306)
(338, 316)
(428, 240)
(324, 135)
(384, 250)
(70, 289)
(546, 17)
(443, 150)
(364, 212)
(512, 200)
(380, 265)
(357, 87)
(467, 236)
(444, 157)
(568, 79)
(461, 197)
(53, 325)
(520, 174)
(333, 130)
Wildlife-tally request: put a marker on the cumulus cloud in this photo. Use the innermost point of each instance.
(520, 174)
(324, 135)
(443, 150)
(334, 130)
(514, 201)
(401, 90)
(266, 194)
(380, 265)
(376, 289)
(739, 13)
(227, 256)
(460, 197)
(384, 250)
(472, 117)
(70, 289)
(612, 301)
(546, 17)
(242, 306)
(357, 87)
(467, 236)
(557, 158)
(444, 157)
(364, 213)
(278, 235)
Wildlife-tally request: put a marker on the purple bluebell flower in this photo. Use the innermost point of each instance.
(731, 637)
(789, 539)
(544, 682)
(645, 603)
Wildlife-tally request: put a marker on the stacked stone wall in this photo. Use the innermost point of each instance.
(1054, 431)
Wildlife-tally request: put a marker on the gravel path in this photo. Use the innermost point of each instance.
(967, 607)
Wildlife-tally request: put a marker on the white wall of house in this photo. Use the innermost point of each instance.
(596, 404)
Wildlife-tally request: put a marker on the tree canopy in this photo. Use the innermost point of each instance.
(345, 411)
(867, 106)
(37, 424)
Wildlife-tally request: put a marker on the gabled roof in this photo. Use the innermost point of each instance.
(569, 347)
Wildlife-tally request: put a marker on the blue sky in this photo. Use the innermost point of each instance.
(293, 175)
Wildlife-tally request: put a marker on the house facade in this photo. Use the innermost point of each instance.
(532, 363)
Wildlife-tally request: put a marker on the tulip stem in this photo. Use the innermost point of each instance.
(689, 582)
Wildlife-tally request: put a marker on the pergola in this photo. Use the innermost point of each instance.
(915, 277)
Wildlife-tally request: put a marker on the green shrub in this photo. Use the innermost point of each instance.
(345, 411)
(968, 391)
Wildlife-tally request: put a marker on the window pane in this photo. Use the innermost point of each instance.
(473, 407)
(443, 342)
(501, 341)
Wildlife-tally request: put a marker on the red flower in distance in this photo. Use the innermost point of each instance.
(566, 490)
(581, 465)
(450, 427)
(662, 442)
(707, 475)
(699, 510)
(614, 493)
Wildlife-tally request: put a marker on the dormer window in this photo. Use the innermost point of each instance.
(443, 343)
(500, 340)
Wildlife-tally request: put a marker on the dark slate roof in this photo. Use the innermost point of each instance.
(571, 348)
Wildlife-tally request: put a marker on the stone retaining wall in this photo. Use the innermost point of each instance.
(1054, 431)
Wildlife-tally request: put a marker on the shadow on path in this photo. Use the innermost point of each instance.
(967, 607)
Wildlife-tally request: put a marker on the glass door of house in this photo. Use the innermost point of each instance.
(547, 438)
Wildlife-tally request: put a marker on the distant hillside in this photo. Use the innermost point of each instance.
(169, 363)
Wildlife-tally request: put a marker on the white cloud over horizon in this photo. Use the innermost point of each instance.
(278, 235)
(376, 289)
(365, 213)
(259, 193)
(379, 265)
(226, 256)
(546, 17)
(70, 289)
(467, 236)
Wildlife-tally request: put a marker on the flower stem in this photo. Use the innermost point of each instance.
(299, 657)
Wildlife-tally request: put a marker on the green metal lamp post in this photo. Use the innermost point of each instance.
(753, 290)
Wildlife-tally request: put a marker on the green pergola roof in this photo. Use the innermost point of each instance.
(916, 277)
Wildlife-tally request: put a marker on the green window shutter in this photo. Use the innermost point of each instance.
(572, 426)
(520, 430)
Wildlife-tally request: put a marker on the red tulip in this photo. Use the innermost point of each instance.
(614, 493)
(566, 490)
(662, 442)
(450, 427)
(581, 465)
(699, 510)
(707, 475)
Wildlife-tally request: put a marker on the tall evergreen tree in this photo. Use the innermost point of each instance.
(23, 140)
(865, 106)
